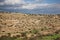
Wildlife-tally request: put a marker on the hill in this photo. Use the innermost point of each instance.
(18, 24)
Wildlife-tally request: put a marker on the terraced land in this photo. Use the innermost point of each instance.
(19, 26)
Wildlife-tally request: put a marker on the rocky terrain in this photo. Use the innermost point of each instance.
(29, 25)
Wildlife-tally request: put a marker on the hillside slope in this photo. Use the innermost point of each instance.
(15, 24)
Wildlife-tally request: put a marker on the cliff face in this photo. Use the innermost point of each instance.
(15, 24)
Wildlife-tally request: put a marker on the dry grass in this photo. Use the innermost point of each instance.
(31, 24)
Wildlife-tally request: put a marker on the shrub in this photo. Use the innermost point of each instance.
(34, 31)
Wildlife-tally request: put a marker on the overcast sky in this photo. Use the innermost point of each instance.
(29, 4)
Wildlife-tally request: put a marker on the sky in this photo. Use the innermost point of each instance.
(30, 6)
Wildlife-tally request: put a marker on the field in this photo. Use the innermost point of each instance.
(19, 26)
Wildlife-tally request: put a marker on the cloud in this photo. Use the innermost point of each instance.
(2, 0)
(17, 4)
(33, 6)
(29, 6)
(55, 5)
(22, 3)
(14, 1)
(38, 0)
(11, 2)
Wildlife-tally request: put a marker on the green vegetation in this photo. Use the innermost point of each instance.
(52, 37)
(34, 31)
(7, 38)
